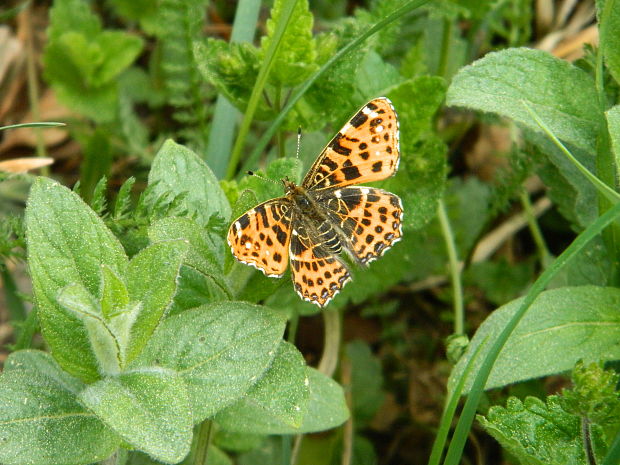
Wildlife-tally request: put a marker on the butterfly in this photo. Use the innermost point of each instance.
(316, 221)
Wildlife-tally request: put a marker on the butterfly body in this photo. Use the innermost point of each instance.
(313, 223)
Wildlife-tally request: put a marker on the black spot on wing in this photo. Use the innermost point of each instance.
(351, 172)
(331, 164)
(376, 167)
(280, 234)
(262, 213)
(359, 119)
(336, 147)
(244, 221)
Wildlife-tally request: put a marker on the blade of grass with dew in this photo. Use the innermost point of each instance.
(225, 115)
(463, 426)
(448, 413)
(33, 125)
(266, 137)
(257, 90)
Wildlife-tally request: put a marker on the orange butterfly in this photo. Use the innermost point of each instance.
(314, 222)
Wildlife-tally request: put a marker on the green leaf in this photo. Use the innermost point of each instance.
(72, 15)
(103, 342)
(609, 24)
(540, 433)
(114, 294)
(220, 350)
(366, 382)
(501, 81)
(594, 396)
(375, 76)
(40, 417)
(564, 325)
(501, 281)
(279, 400)
(119, 50)
(151, 280)
(591, 266)
(67, 243)
(613, 124)
(149, 409)
(295, 58)
(178, 170)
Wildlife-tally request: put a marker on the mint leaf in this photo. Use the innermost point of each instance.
(564, 325)
(178, 170)
(148, 409)
(540, 433)
(296, 54)
(151, 280)
(67, 243)
(501, 81)
(40, 416)
(220, 350)
(279, 400)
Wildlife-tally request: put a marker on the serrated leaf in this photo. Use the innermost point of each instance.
(67, 243)
(219, 349)
(278, 400)
(540, 433)
(295, 57)
(40, 416)
(178, 170)
(151, 280)
(501, 81)
(564, 325)
(149, 409)
(119, 50)
(114, 294)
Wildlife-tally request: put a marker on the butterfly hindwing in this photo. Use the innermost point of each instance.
(370, 218)
(365, 149)
(260, 237)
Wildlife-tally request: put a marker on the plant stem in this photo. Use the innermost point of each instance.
(203, 441)
(329, 359)
(348, 430)
(543, 252)
(280, 134)
(446, 42)
(455, 274)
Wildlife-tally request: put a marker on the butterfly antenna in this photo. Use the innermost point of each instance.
(298, 141)
(252, 173)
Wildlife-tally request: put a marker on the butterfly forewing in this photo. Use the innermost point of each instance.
(260, 237)
(365, 149)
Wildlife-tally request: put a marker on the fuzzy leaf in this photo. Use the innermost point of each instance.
(148, 409)
(540, 433)
(613, 124)
(220, 350)
(67, 243)
(178, 170)
(296, 54)
(501, 81)
(609, 40)
(366, 382)
(278, 400)
(151, 280)
(40, 416)
(564, 325)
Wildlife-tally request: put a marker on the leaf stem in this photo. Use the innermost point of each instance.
(543, 252)
(203, 441)
(587, 441)
(259, 85)
(329, 359)
(469, 410)
(455, 274)
(446, 42)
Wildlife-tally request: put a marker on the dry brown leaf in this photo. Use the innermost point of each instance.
(23, 165)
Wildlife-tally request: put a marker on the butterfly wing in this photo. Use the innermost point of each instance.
(366, 149)
(317, 273)
(371, 219)
(260, 237)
